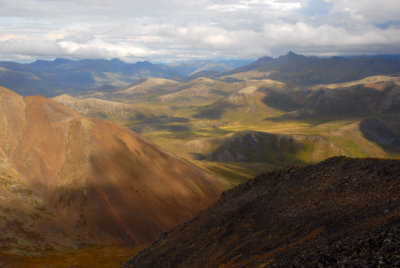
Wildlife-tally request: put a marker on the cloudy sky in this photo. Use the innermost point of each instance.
(176, 30)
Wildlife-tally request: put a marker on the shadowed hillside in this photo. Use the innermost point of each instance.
(340, 212)
(376, 131)
(276, 149)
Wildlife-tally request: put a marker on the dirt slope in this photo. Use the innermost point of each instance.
(341, 211)
(92, 181)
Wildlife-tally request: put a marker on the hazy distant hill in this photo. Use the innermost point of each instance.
(50, 78)
(23, 80)
(301, 70)
(191, 67)
(204, 73)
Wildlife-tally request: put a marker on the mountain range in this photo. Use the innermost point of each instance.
(300, 70)
(51, 78)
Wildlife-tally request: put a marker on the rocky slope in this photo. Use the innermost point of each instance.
(340, 212)
(68, 180)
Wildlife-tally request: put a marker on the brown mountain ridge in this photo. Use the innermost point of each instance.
(67, 180)
(342, 212)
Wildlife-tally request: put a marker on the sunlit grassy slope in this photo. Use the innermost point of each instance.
(197, 118)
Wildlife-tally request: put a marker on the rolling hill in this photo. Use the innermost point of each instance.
(70, 181)
(369, 96)
(341, 212)
(95, 107)
(198, 92)
(166, 92)
(373, 95)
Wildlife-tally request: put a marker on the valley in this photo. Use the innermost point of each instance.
(106, 171)
(193, 134)
(198, 119)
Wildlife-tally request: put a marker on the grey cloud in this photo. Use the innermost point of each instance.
(30, 47)
(79, 37)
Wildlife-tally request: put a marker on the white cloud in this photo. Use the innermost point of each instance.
(98, 48)
(27, 47)
(176, 29)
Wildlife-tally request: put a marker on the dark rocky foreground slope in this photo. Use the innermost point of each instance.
(341, 212)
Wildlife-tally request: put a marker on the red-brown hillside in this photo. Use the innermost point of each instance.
(70, 180)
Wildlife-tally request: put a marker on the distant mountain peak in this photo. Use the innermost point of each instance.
(291, 53)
